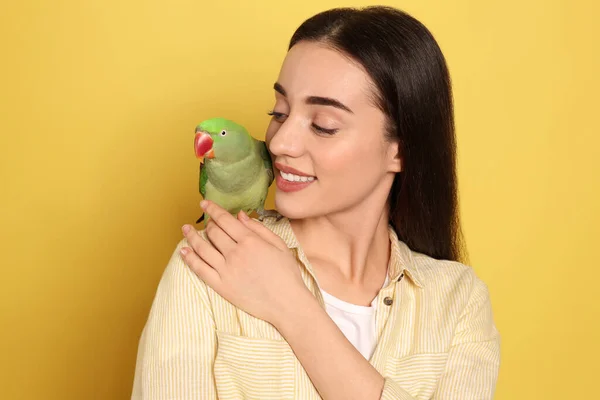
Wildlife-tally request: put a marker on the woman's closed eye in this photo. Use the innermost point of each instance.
(280, 117)
(324, 130)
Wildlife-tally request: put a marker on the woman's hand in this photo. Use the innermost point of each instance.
(245, 263)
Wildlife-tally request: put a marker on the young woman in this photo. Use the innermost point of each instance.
(358, 292)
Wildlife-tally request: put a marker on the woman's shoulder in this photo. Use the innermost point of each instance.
(177, 275)
(446, 275)
(453, 286)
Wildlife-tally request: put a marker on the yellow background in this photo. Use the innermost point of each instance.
(98, 104)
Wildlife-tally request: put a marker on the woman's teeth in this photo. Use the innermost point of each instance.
(296, 178)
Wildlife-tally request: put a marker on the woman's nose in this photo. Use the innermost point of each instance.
(287, 140)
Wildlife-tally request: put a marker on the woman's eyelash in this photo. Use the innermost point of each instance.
(318, 128)
(323, 130)
(275, 114)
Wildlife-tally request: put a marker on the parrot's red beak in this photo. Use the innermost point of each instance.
(203, 145)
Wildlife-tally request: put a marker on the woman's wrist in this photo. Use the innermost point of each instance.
(296, 308)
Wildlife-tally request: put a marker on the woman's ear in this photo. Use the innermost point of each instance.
(394, 156)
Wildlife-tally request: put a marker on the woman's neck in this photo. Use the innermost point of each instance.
(353, 245)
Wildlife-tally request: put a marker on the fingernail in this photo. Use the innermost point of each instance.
(183, 251)
(244, 215)
(186, 228)
(203, 204)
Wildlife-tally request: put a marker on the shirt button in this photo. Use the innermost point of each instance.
(388, 301)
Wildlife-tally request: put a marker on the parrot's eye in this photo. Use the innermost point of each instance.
(223, 132)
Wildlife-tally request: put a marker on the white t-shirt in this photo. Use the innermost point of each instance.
(356, 322)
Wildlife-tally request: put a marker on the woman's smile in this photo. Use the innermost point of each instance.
(289, 179)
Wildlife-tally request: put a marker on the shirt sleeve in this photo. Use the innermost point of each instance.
(474, 357)
(177, 346)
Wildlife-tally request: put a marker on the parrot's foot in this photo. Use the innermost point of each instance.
(262, 214)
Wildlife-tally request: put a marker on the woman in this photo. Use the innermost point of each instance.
(358, 292)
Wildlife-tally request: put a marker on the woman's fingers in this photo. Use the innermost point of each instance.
(227, 222)
(202, 248)
(204, 271)
(221, 241)
(262, 231)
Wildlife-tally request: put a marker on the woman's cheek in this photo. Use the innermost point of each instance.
(271, 131)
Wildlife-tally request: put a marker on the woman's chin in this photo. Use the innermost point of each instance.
(291, 209)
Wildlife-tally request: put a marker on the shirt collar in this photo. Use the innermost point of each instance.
(401, 258)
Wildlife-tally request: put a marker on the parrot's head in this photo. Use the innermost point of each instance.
(222, 139)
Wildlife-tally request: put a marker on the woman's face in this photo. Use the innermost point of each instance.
(327, 128)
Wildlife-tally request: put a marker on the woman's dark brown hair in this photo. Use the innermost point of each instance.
(413, 90)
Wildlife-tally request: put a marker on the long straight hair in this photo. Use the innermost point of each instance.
(414, 92)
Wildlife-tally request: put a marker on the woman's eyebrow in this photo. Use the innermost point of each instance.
(316, 100)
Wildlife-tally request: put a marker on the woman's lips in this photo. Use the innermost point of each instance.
(288, 186)
(289, 170)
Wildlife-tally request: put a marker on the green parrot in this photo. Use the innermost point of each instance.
(235, 169)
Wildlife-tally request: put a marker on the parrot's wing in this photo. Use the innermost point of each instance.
(264, 154)
(203, 180)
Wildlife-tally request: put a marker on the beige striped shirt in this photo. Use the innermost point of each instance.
(436, 338)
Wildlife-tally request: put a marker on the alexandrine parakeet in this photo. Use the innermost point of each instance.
(235, 169)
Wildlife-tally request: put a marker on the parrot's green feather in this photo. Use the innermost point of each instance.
(203, 179)
(264, 154)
